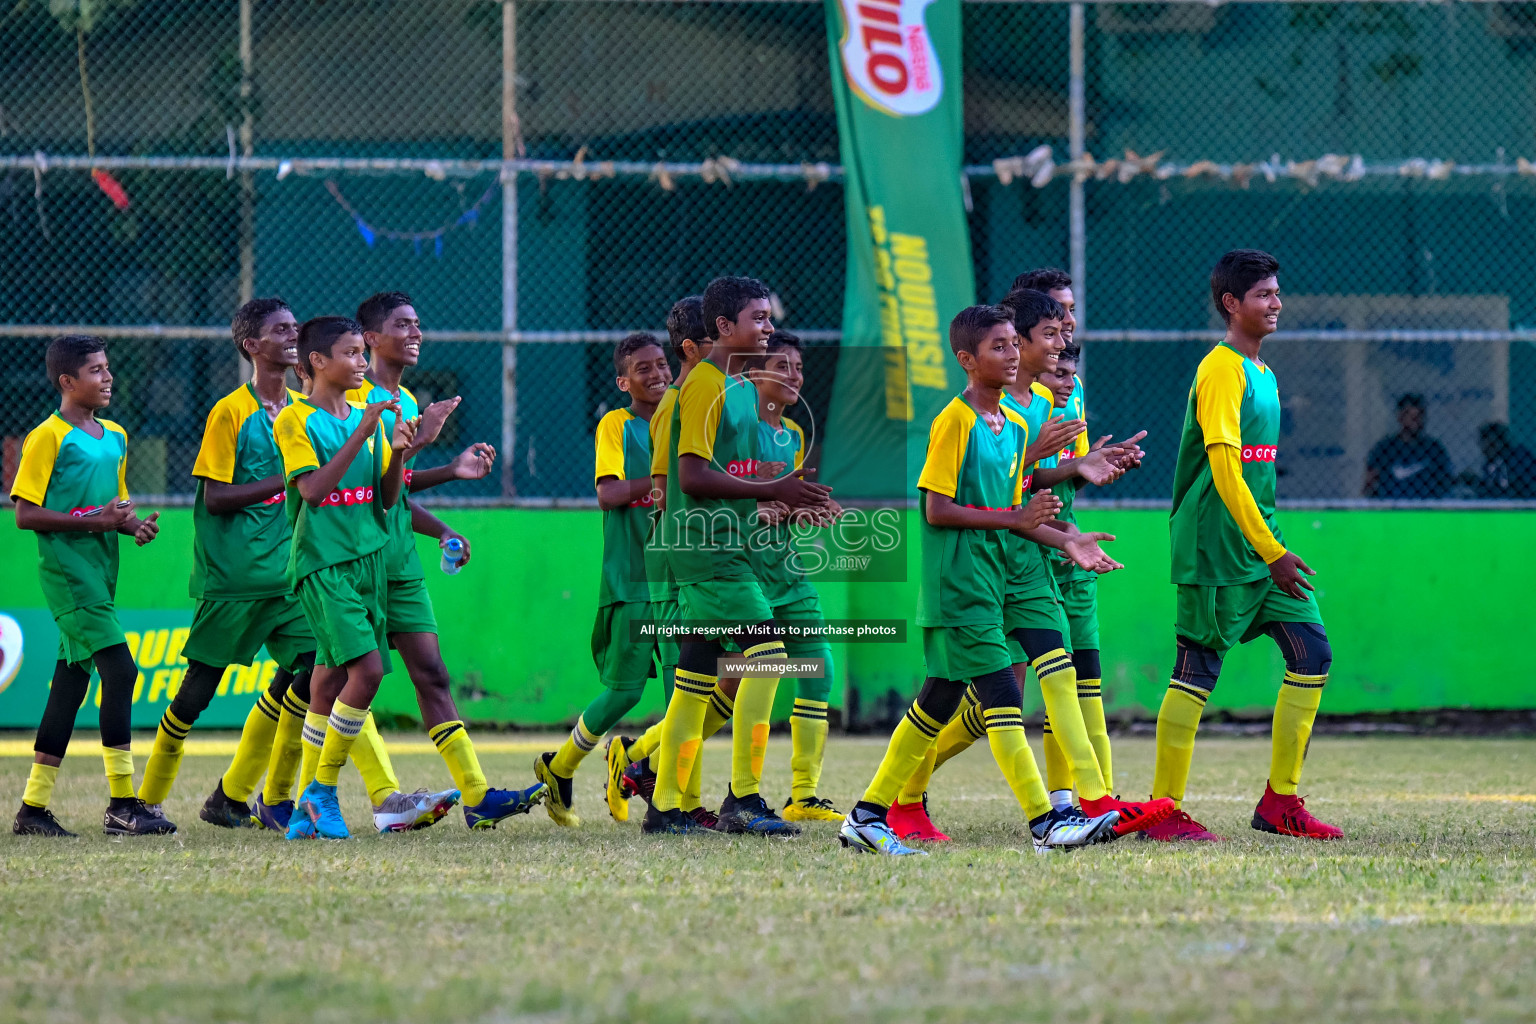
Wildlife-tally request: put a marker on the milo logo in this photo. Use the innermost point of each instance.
(888, 57)
(1260, 452)
(742, 467)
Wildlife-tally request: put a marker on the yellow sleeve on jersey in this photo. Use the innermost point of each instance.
(700, 400)
(359, 396)
(947, 440)
(221, 440)
(299, 455)
(661, 432)
(1079, 411)
(1219, 386)
(122, 463)
(799, 449)
(39, 452)
(1227, 475)
(610, 444)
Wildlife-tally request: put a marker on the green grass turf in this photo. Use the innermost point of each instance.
(1425, 912)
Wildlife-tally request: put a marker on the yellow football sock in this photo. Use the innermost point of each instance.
(313, 740)
(458, 750)
(287, 751)
(955, 738)
(721, 707)
(913, 736)
(1295, 710)
(808, 745)
(1005, 735)
(577, 745)
(164, 759)
(119, 772)
(1058, 772)
(681, 736)
(646, 745)
(40, 784)
(254, 751)
(1058, 684)
(1177, 721)
(341, 733)
(749, 729)
(372, 760)
(1090, 698)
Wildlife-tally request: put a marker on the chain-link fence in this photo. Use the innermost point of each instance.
(546, 174)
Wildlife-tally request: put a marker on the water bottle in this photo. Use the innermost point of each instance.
(453, 551)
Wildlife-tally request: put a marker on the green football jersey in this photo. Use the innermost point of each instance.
(657, 569)
(1064, 568)
(350, 523)
(715, 419)
(770, 547)
(1234, 401)
(241, 556)
(401, 562)
(66, 469)
(1025, 557)
(624, 452)
(964, 571)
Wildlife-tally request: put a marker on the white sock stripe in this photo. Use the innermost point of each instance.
(315, 737)
(345, 725)
(583, 742)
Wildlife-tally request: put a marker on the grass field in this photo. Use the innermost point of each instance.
(1426, 912)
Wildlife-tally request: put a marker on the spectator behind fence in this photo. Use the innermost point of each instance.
(1509, 469)
(1408, 464)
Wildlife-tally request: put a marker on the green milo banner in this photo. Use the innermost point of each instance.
(896, 86)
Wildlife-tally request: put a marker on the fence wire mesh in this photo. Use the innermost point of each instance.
(160, 160)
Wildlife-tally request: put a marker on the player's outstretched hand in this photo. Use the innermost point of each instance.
(442, 542)
(1085, 551)
(405, 433)
(770, 470)
(796, 491)
(432, 419)
(772, 513)
(148, 530)
(473, 463)
(373, 411)
(1044, 505)
(1099, 468)
(1290, 574)
(1053, 437)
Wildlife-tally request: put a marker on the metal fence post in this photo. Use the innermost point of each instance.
(509, 152)
(1077, 221)
(247, 143)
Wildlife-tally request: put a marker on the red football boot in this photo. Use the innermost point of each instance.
(1288, 816)
(910, 821)
(1133, 816)
(1179, 827)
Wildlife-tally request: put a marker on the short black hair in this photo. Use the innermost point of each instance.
(727, 297)
(319, 334)
(1238, 271)
(1412, 399)
(1070, 352)
(375, 309)
(1043, 279)
(782, 339)
(628, 346)
(685, 321)
(68, 353)
(249, 318)
(972, 324)
(1028, 307)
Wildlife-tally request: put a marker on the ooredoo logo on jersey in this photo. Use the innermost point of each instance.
(888, 56)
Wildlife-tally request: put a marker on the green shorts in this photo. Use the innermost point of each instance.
(964, 652)
(804, 612)
(723, 601)
(1223, 617)
(623, 662)
(1038, 609)
(1080, 600)
(232, 632)
(344, 604)
(408, 607)
(666, 613)
(85, 631)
